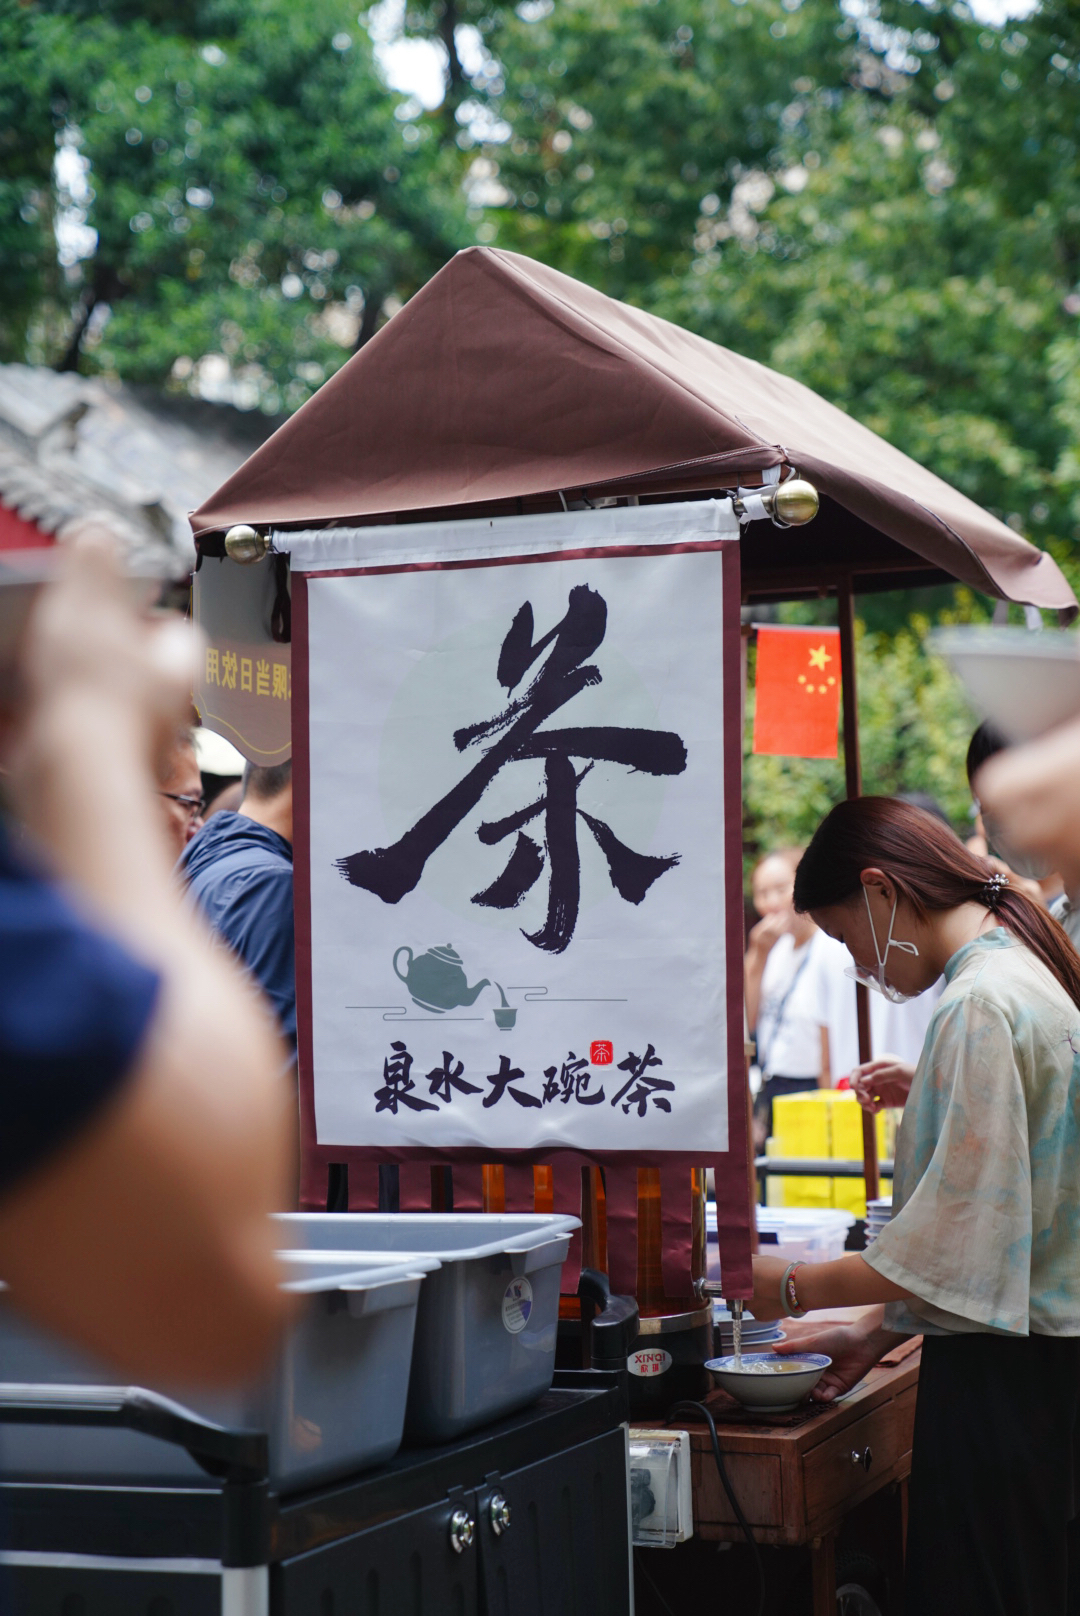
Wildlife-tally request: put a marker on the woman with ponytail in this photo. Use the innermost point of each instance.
(982, 1256)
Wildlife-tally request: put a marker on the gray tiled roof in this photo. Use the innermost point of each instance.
(71, 447)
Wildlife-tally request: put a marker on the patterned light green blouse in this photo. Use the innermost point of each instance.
(986, 1196)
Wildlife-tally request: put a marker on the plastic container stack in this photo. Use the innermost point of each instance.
(803, 1234)
(487, 1320)
(798, 1234)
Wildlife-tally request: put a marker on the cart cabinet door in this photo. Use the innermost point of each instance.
(422, 1564)
(92, 1585)
(554, 1536)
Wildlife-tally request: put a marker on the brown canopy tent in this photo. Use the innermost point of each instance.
(503, 385)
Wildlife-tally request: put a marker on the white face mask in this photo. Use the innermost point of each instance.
(876, 980)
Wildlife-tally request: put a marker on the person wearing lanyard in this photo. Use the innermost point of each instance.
(981, 1257)
(780, 948)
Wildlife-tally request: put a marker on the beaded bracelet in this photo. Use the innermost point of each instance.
(789, 1300)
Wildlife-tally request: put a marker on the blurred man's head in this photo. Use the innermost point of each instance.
(180, 792)
(268, 797)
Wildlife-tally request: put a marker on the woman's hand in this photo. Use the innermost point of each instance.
(766, 1302)
(881, 1082)
(854, 1348)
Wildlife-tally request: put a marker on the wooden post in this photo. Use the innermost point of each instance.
(853, 780)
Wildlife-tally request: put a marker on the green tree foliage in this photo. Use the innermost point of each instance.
(888, 210)
(253, 194)
(881, 198)
(27, 252)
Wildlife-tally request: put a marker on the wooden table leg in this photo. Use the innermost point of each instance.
(823, 1574)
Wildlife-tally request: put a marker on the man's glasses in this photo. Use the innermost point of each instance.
(194, 807)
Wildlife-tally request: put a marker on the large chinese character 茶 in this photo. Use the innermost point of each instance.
(642, 1086)
(515, 735)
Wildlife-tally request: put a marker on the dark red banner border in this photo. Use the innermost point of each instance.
(731, 1169)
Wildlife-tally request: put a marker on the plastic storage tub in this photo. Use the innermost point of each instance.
(810, 1235)
(799, 1234)
(486, 1325)
(334, 1401)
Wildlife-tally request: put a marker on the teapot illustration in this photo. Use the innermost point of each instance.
(436, 979)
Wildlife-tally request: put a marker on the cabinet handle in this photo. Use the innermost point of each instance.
(500, 1515)
(864, 1459)
(462, 1531)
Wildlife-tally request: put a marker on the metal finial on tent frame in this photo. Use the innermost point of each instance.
(246, 544)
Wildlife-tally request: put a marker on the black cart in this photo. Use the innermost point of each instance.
(528, 1516)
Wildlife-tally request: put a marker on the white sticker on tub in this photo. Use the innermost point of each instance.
(517, 1305)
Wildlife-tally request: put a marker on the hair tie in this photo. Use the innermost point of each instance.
(993, 889)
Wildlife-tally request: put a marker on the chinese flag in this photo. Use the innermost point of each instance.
(797, 712)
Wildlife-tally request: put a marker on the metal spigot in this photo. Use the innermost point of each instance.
(735, 1306)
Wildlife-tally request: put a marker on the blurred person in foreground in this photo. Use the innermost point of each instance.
(1035, 870)
(180, 791)
(144, 1132)
(239, 870)
(1033, 792)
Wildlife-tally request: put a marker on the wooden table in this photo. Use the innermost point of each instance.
(798, 1475)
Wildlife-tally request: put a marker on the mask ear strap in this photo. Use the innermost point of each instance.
(905, 948)
(878, 955)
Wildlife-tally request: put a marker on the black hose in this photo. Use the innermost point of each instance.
(703, 1413)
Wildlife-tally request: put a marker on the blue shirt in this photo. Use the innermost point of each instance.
(241, 876)
(74, 1011)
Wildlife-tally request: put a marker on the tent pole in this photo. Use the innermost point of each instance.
(853, 778)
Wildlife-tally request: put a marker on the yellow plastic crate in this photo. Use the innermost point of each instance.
(801, 1127)
(825, 1122)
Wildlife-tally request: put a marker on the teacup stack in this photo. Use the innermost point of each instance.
(755, 1334)
(878, 1214)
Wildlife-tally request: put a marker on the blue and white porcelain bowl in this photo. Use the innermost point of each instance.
(781, 1383)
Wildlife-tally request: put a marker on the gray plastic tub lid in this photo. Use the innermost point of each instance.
(441, 1232)
(320, 1271)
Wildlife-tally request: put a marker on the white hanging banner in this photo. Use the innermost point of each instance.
(515, 849)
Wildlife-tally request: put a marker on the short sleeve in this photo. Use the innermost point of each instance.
(74, 1011)
(961, 1239)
